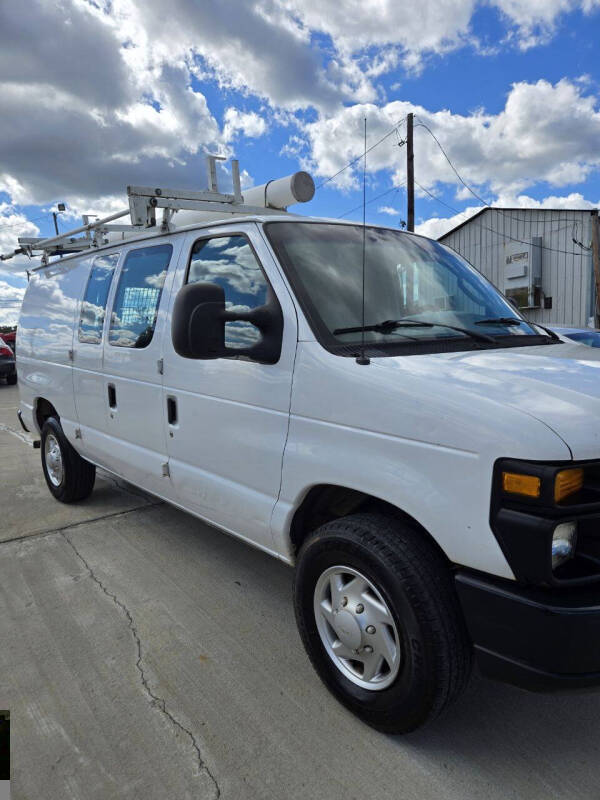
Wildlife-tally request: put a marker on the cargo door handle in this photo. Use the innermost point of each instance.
(172, 410)
(112, 395)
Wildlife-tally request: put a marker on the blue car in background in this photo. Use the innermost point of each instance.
(587, 336)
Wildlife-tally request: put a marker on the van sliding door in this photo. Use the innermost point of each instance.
(88, 377)
(132, 390)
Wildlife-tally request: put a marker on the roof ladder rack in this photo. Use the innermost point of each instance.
(144, 200)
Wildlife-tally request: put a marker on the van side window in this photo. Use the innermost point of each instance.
(93, 308)
(138, 295)
(229, 261)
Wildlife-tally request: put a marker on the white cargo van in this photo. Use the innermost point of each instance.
(429, 463)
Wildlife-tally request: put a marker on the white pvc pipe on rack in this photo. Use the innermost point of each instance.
(278, 195)
(284, 192)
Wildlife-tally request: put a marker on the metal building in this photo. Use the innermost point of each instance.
(545, 260)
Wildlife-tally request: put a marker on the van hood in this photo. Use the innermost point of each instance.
(557, 384)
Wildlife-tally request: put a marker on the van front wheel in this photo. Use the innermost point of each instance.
(69, 476)
(380, 621)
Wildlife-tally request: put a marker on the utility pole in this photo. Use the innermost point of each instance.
(596, 262)
(410, 174)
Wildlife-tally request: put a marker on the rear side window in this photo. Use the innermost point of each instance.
(229, 261)
(138, 296)
(93, 308)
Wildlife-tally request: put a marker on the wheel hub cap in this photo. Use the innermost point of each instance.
(347, 629)
(357, 628)
(53, 458)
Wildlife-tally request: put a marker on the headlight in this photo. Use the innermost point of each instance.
(564, 540)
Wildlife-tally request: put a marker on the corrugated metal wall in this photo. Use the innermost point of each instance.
(567, 270)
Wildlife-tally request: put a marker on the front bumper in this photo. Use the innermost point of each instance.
(538, 639)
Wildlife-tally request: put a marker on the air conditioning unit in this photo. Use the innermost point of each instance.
(523, 272)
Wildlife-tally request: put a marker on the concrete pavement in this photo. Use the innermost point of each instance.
(22, 480)
(146, 655)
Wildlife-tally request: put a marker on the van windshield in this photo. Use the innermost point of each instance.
(416, 290)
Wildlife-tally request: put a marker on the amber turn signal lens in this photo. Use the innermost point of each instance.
(567, 482)
(528, 485)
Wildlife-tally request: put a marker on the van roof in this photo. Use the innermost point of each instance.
(257, 218)
(153, 233)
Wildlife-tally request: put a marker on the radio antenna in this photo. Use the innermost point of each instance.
(362, 358)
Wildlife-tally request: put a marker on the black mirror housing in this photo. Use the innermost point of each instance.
(198, 325)
(195, 328)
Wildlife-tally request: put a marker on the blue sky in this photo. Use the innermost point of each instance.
(117, 92)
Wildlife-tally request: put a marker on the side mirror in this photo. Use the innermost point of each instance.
(198, 325)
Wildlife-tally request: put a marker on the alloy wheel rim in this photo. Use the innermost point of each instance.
(54, 460)
(357, 628)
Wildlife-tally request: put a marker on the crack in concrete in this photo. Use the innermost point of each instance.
(155, 700)
(70, 526)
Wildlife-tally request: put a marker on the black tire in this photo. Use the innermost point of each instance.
(78, 475)
(11, 379)
(411, 575)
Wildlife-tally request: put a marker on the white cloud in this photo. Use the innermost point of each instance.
(572, 200)
(434, 227)
(12, 278)
(53, 145)
(12, 225)
(252, 47)
(544, 133)
(56, 43)
(67, 130)
(536, 20)
(249, 123)
(74, 133)
(11, 298)
(431, 25)
(391, 212)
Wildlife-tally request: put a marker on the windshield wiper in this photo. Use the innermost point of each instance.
(385, 326)
(390, 325)
(501, 321)
(549, 331)
(517, 321)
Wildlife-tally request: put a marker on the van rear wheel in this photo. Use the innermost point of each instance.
(380, 620)
(69, 476)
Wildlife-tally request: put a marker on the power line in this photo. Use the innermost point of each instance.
(358, 158)
(372, 200)
(20, 224)
(459, 176)
(469, 188)
(476, 222)
(493, 230)
(466, 185)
